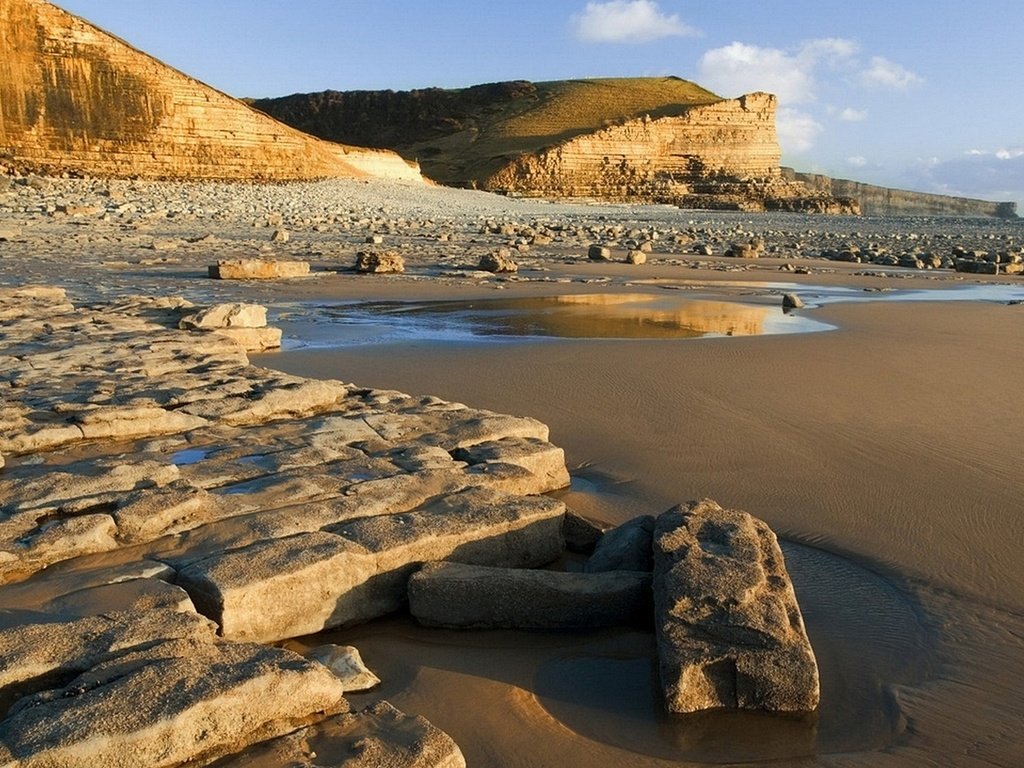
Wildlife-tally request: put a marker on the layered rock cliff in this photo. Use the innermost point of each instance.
(883, 201)
(76, 100)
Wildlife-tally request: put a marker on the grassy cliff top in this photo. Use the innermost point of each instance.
(461, 134)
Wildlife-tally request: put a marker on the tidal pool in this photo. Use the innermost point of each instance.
(578, 316)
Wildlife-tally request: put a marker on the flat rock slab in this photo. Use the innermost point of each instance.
(729, 630)
(298, 585)
(473, 597)
(378, 737)
(168, 705)
(257, 269)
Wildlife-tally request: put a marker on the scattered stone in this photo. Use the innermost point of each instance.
(729, 630)
(599, 253)
(380, 262)
(473, 597)
(347, 664)
(636, 257)
(280, 235)
(257, 269)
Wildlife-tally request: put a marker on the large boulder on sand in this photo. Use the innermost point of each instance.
(624, 548)
(257, 269)
(475, 597)
(729, 629)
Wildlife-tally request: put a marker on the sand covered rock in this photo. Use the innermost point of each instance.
(257, 269)
(729, 629)
(474, 597)
(169, 704)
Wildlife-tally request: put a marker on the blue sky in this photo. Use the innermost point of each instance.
(921, 94)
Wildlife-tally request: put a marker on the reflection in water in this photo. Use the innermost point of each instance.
(583, 316)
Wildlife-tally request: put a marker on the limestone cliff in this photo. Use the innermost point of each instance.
(76, 100)
(883, 201)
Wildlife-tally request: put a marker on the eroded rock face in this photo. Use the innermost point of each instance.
(111, 110)
(380, 262)
(729, 629)
(474, 597)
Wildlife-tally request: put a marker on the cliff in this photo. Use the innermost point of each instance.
(623, 139)
(883, 201)
(76, 100)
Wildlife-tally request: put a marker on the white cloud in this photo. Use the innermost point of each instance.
(796, 130)
(888, 74)
(989, 174)
(851, 115)
(739, 68)
(627, 21)
(1009, 154)
(834, 51)
(857, 161)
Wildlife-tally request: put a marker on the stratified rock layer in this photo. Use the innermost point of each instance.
(729, 629)
(74, 99)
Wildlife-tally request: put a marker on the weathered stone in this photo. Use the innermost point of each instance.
(176, 702)
(234, 315)
(253, 339)
(499, 261)
(51, 650)
(134, 421)
(257, 269)
(729, 629)
(475, 597)
(378, 737)
(356, 571)
(635, 256)
(347, 664)
(379, 262)
(544, 460)
(624, 548)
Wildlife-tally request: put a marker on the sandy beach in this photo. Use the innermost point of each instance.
(885, 453)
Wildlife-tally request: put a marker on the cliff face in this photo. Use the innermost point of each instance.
(74, 99)
(655, 158)
(883, 201)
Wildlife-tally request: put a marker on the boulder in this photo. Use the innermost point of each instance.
(792, 301)
(499, 261)
(624, 548)
(380, 262)
(474, 597)
(581, 534)
(257, 269)
(729, 630)
(599, 253)
(171, 704)
(636, 256)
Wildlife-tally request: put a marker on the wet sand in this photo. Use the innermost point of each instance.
(885, 454)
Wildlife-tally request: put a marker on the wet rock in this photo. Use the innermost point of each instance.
(729, 629)
(792, 301)
(257, 269)
(170, 704)
(624, 548)
(379, 262)
(347, 664)
(473, 597)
